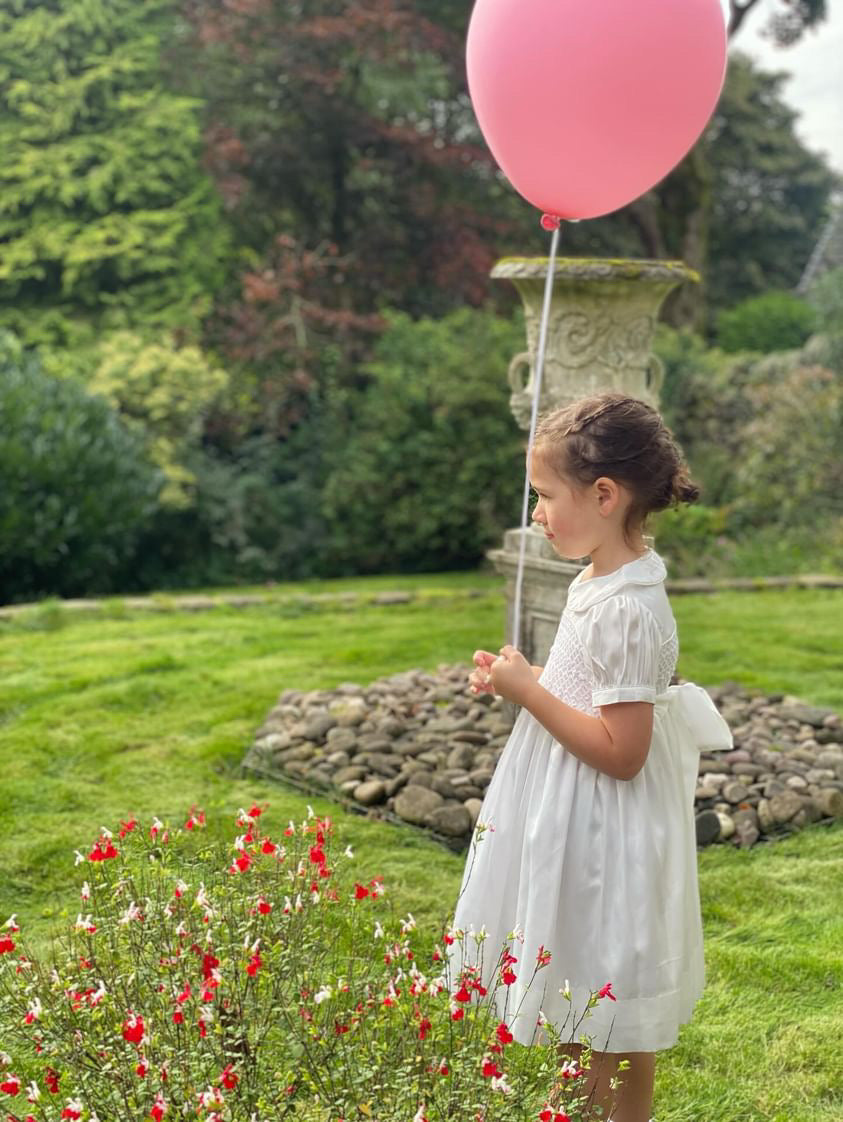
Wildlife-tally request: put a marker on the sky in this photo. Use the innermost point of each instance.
(815, 88)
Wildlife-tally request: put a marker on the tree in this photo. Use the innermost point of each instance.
(106, 217)
(345, 125)
(786, 24)
(770, 192)
(699, 200)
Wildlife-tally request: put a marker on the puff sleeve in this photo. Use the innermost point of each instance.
(622, 639)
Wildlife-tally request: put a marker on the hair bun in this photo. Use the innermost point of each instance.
(684, 488)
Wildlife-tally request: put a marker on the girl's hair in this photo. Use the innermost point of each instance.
(623, 438)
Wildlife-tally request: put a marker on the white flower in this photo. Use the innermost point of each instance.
(566, 990)
(210, 1097)
(517, 933)
(33, 1093)
(499, 1083)
(10, 922)
(322, 995)
(80, 860)
(542, 1020)
(240, 842)
(348, 852)
(106, 833)
(132, 912)
(478, 936)
(310, 811)
(409, 924)
(182, 928)
(419, 1116)
(378, 929)
(98, 994)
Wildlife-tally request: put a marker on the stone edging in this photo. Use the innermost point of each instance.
(418, 748)
(199, 603)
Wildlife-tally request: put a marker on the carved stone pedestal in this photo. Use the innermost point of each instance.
(602, 320)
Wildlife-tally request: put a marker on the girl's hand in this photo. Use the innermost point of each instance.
(511, 674)
(479, 680)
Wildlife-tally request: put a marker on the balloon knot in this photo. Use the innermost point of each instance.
(550, 221)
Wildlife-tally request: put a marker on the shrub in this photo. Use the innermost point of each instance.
(427, 465)
(163, 391)
(77, 489)
(250, 982)
(826, 298)
(774, 321)
(790, 472)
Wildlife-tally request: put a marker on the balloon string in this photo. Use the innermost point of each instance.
(537, 389)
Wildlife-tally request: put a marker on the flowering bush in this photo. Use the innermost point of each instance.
(257, 982)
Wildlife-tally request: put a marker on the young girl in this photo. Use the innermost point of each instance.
(592, 850)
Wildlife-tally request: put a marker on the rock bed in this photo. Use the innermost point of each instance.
(420, 748)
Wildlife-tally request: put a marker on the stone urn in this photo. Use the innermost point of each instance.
(600, 332)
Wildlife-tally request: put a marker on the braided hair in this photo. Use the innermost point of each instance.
(624, 439)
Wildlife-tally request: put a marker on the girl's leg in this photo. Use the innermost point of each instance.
(633, 1099)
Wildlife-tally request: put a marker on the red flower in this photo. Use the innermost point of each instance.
(127, 827)
(141, 1069)
(209, 963)
(457, 1014)
(242, 863)
(491, 1069)
(71, 1111)
(229, 1078)
(543, 957)
(255, 963)
(133, 1028)
(159, 1108)
(607, 992)
(360, 891)
(103, 850)
(547, 1115)
(268, 846)
(507, 977)
(6, 945)
(424, 1028)
(178, 1017)
(51, 1078)
(255, 811)
(264, 906)
(462, 994)
(317, 855)
(10, 1085)
(503, 1034)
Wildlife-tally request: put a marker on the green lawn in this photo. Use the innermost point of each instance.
(149, 713)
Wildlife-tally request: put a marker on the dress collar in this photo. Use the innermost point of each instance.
(646, 569)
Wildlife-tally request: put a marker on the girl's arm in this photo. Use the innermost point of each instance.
(616, 742)
(537, 671)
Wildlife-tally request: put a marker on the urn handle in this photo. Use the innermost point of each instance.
(518, 381)
(654, 376)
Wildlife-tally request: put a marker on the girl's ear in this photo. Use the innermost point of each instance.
(608, 494)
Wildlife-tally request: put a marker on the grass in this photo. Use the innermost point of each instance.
(105, 715)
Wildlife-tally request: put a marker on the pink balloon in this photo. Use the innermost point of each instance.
(586, 104)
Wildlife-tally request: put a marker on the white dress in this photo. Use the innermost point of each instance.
(601, 872)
